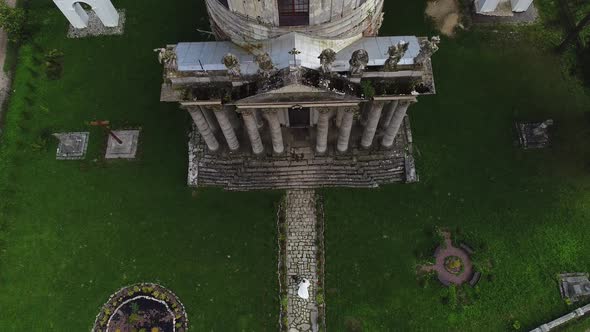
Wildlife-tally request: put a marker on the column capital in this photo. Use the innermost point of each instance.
(408, 102)
(353, 109)
(269, 110)
(247, 111)
(214, 108)
(323, 110)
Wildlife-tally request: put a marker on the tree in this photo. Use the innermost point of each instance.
(573, 34)
(12, 21)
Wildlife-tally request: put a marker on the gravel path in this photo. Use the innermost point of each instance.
(5, 78)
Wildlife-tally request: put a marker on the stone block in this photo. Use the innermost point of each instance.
(96, 28)
(125, 150)
(72, 146)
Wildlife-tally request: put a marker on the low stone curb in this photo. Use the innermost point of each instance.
(563, 319)
(147, 290)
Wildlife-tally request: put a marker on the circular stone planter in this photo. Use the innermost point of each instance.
(146, 306)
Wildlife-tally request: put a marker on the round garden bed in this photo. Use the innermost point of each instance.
(142, 307)
(452, 265)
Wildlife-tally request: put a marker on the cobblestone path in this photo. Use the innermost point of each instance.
(301, 258)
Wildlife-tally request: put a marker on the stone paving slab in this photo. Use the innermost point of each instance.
(72, 146)
(125, 150)
(301, 258)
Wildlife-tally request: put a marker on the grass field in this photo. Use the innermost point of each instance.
(529, 210)
(71, 233)
(74, 232)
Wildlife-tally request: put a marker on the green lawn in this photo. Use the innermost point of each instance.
(74, 232)
(71, 233)
(530, 210)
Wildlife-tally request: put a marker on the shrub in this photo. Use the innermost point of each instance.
(516, 325)
(353, 325)
(12, 20)
(453, 297)
(368, 89)
(54, 64)
(319, 299)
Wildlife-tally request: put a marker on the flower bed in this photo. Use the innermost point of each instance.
(454, 265)
(142, 307)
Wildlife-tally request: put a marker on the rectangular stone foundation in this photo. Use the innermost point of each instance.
(300, 167)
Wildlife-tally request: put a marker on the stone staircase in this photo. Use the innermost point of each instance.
(299, 168)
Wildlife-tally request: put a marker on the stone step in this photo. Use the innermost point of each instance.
(234, 187)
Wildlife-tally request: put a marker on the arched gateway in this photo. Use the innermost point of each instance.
(299, 94)
(77, 16)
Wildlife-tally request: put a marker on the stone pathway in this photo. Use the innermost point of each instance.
(301, 259)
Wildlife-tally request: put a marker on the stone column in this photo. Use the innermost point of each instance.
(233, 116)
(227, 128)
(208, 114)
(389, 110)
(372, 123)
(486, 6)
(395, 124)
(204, 129)
(275, 130)
(339, 115)
(259, 121)
(345, 129)
(252, 128)
(322, 130)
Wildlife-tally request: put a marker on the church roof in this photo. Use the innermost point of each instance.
(207, 56)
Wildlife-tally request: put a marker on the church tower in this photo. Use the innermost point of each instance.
(245, 22)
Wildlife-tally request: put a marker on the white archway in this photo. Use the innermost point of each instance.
(77, 16)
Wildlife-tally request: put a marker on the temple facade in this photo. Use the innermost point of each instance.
(298, 95)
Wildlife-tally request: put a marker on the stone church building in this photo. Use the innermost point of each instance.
(298, 94)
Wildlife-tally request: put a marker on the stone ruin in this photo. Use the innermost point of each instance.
(72, 146)
(574, 286)
(534, 135)
(102, 18)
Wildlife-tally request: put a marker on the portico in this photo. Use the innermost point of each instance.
(330, 126)
(276, 118)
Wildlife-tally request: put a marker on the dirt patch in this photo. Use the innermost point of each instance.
(446, 15)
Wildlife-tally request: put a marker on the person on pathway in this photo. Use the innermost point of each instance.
(303, 290)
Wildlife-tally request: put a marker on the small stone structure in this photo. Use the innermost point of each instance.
(97, 28)
(72, 146)
(580, 312)
(574, 286)
(125, 150)
(534, 135)
(501, 7)
(78, 17)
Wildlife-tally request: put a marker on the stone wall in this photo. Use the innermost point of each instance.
(563, 319)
